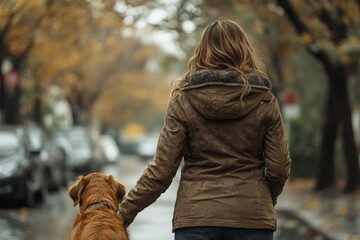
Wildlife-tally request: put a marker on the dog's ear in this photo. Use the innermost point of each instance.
(117, 187)
(76, 189)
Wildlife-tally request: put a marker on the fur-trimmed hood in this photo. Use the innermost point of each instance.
(223, 76)
(216, 94)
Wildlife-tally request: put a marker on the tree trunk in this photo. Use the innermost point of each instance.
(338, 117)
(37, 111)
(2, 99)
(349, 145)
(326, 168)
(12, 106)
(338, 108)
(37, 115)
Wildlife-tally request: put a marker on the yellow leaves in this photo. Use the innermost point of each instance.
(353, 40)
(70, 79)
(349, 50)
(78, 46)
(17, 47)
(259, 28)
(24, 213)
(60, 55)
(3, 15)
(130, 95)
(346, 53)
(111, 41)
(48, 73)
(143, 53)
(313, 203)
(343, 211)
(319, 16)
(352, 9)
(305, 39)
(141, 94)
(134, 129)
(96, 47)
(21, 22)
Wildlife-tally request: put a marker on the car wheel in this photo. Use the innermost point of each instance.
(28, 199)
(65, 171)
(65, 176)
(53, 185)
(65, 179)
(42, 193)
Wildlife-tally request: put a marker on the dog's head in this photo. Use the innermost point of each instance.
(96, 186)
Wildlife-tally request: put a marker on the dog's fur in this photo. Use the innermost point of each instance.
(98, 196)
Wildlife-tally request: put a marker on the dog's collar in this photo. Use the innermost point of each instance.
(102, 203)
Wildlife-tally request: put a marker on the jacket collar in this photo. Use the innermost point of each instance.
(223, 76)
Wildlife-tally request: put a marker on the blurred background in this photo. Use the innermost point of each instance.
(84, 85)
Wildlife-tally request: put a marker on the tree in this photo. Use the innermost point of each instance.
(16, 40)
(82, 49)
(330, 34)
(131, 91)
(76, 50)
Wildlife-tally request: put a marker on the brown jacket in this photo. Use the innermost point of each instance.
(236, 158)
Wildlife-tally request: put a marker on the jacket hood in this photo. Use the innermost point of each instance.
(216, 94)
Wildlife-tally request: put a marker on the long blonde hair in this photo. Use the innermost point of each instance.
(223, 45)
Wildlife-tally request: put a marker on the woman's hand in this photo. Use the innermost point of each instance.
(126, 223)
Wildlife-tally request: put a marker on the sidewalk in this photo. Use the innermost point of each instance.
(332, 213)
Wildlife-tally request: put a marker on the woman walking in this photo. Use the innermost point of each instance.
(225, 123)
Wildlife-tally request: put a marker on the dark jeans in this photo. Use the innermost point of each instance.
(222, 233)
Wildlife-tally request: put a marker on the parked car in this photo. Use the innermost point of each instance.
(53, 157)
(80, 147)
(99, 150)
(22, 176)
(146, 147)
(110, 148)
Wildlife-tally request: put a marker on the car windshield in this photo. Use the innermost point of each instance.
(79, 141)
(108, 143)
(8, 143)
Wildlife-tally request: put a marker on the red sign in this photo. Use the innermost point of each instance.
(291, 106)
(11, 79)
(290, 98)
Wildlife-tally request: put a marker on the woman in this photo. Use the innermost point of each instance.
(225, 122)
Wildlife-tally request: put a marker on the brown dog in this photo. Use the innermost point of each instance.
(98, 196)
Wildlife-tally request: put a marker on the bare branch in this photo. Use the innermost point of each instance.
(315, 5)
(336, 26)
(18, 60)
(6, 29)
(293, 16)
(301, 28)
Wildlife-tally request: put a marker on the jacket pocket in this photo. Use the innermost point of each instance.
(184, 207)
(264, 190)
(265, 202)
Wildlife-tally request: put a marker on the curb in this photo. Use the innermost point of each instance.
(314, 231)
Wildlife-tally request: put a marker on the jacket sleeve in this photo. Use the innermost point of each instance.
(159, 173)
(276, 154)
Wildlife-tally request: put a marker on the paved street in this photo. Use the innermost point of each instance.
(331, 212)
(53, 220)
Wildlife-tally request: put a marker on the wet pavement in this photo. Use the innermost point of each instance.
(290, 227)
(48, 221)
(331, 213)
(53, 219)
